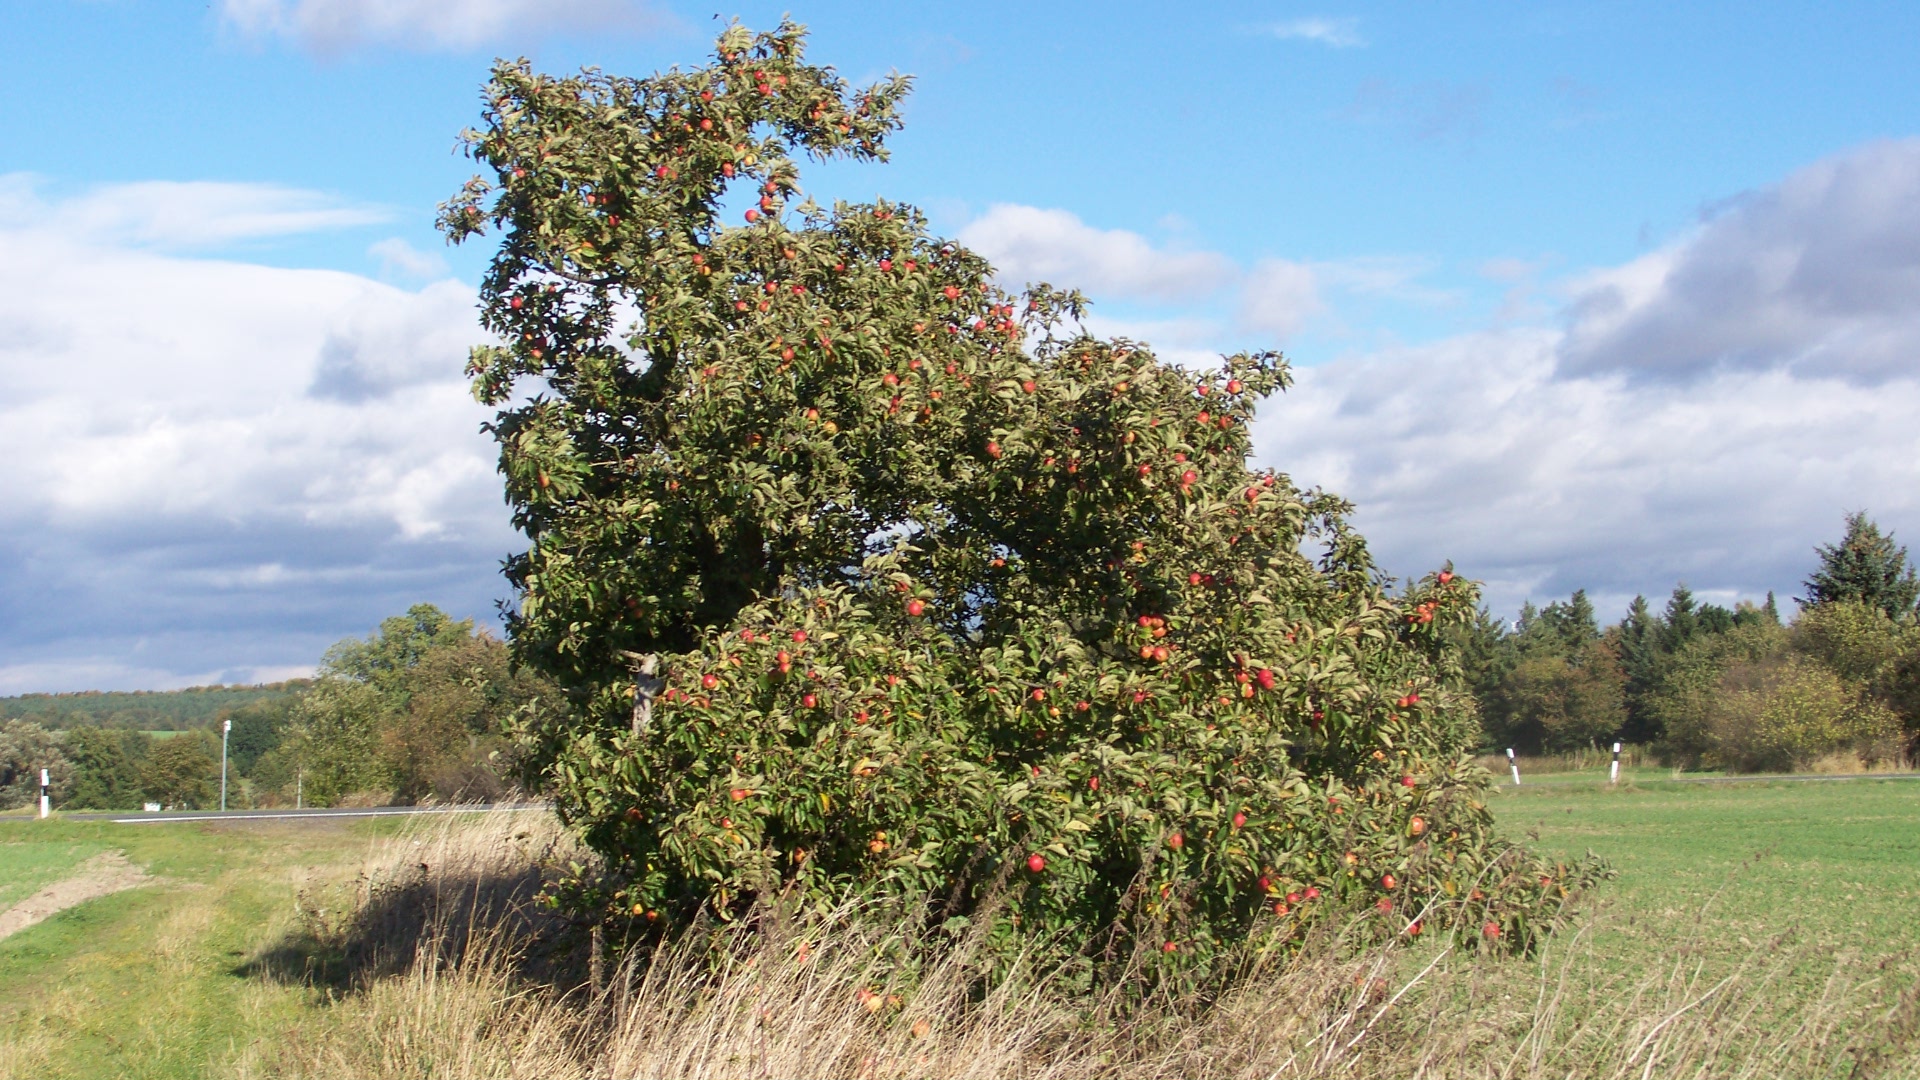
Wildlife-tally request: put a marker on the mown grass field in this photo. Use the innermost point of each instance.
(1727, 866)
(154, 982)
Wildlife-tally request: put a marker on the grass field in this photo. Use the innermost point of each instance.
(155, 982)
(1833, 862)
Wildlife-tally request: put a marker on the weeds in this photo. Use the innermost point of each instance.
(442, 966)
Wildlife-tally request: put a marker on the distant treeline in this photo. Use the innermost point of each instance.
(142, 710)
(420, 710)
(1703, 685)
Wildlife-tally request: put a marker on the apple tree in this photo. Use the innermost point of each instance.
(872, 580)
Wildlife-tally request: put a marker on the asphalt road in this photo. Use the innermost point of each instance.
(127, 818)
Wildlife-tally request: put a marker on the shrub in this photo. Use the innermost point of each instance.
(1781, 715)
(1684, 703)
(1549, 703)
(183, 771)
(1856, 641)
(106, 767)
(25, 749)
(869, 580)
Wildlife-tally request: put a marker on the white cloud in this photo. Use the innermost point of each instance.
(329, 26)
(175, 215)
(1028, 244)
(1819, 274)
(1338, 33)
(1476, 449)
(218, 466)
(401, 259)
(1279, 296)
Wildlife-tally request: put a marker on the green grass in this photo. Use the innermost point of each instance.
(146, 982)
(1725, 867)
(149, 982)
(27, 864)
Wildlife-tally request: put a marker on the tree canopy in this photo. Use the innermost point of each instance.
(1865, 567)
(867, 577)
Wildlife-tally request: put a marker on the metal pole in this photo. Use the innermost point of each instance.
(225, 728)
(1613, 777)
(46, 794)
(299, 782)
(1514, 765)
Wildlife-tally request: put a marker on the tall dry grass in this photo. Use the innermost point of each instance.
(438, 971)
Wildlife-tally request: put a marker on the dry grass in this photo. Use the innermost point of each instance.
(436, 970)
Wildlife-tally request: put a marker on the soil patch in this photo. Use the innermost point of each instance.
(108, 872)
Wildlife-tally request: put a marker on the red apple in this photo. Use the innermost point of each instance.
(709, 681)
(1035, 863)
(1176, 841)
(1239, 820)
(916, 607)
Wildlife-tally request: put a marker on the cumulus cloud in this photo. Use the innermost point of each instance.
(1477, 449)
(401, 259)
(330, 26)
(1338, 33)
(1279, 296)
(217, 468)
(1026, 243)
(1819, 274)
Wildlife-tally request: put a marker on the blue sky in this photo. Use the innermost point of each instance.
(1583, 295)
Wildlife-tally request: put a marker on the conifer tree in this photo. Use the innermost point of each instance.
(1865, 567)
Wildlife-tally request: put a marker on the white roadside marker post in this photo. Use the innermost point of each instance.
(226, 728)
(46, 794)
(1514, 765)
(1613, 776)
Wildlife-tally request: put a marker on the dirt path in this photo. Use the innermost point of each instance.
(108, 872)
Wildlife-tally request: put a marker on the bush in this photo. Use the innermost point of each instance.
(415, 711)
(25, 749)
(1685, 702)
(107, 766)
(1781, 715)
(1549, 703)
(183, 771)
(869, 581)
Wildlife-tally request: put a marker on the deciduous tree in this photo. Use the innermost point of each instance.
(869, 578)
